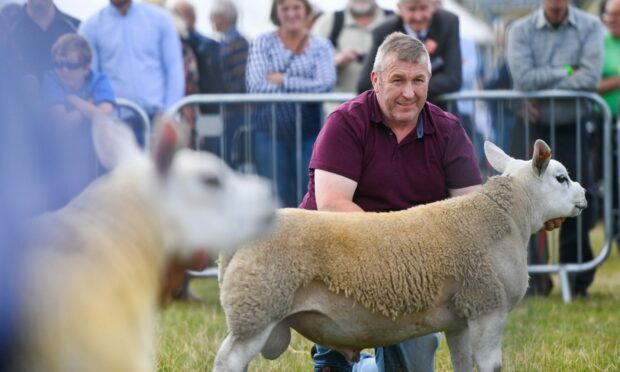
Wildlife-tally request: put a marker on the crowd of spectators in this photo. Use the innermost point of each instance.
(154, 56)
(66, 72)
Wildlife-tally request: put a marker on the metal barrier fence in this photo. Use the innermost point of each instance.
(126, 109)
(499, 102)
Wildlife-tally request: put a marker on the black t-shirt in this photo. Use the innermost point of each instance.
(33, 45)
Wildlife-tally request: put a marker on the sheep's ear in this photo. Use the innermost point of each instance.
(169, 137)
(114, 142)
(496, 157)
(540, 157)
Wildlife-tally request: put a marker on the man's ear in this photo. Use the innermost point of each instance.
(374, 78)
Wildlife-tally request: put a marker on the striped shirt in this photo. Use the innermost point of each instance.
(312, 71)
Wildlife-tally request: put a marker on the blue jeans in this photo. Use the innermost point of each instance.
(284, 164)
(414, 355)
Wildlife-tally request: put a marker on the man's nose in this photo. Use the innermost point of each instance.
(408, 90)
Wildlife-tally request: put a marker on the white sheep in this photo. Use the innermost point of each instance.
(350, 281)
(94, 270)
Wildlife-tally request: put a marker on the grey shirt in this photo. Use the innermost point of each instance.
(537, 53)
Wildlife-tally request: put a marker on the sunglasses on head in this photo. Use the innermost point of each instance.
(59, 65)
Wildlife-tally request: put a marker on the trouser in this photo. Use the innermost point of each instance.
(284, 170)
(414, 355)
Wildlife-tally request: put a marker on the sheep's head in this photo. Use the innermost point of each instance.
(552, 191)
(201, 202)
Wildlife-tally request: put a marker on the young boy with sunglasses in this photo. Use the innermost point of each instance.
(76, 93)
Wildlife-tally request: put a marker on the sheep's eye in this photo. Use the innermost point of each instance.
(211, 181)
(562, 179)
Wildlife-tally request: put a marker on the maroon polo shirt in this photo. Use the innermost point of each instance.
(355, 143)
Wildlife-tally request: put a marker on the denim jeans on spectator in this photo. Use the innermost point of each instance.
(285, 167)
(414, 355)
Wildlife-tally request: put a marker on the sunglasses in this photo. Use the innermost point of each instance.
(59, 65)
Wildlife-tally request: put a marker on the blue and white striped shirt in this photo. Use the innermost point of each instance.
(312, 71)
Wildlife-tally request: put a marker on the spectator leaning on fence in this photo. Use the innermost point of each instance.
(76, 94)
(233, 57)
(559, 47)
(137, 46)
(288, 60)
(438, 29)
(609, 87)
(349, 31)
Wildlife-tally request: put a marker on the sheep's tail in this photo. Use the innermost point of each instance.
(223, 262)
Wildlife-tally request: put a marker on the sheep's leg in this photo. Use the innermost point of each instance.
(278, 341)
(460, 350)
(486, 340)
(235, 354)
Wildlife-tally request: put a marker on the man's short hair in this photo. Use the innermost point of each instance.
(72, 43)
(406, 48)
(227, 9)
(274, 10)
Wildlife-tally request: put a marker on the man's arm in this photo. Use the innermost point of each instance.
(587, 75)
(334, 192)
(525, 74)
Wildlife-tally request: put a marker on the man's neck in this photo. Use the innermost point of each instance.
(365, 19)
(556, 17)
(401, 131)
(42, 16)
(123, 8)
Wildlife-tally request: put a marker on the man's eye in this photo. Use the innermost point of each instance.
(211, 181)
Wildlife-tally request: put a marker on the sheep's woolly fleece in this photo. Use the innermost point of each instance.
(391, 263)
(96, 263)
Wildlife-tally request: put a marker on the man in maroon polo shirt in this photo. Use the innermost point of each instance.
(385, 150)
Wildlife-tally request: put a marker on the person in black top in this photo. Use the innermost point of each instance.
(37, 27)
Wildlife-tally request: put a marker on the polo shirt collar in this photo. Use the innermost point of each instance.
(542, 22)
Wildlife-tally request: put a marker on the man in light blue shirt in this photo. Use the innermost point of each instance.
(137, 46)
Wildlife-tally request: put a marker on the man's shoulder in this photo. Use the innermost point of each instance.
(73, 22)
(391, 24)
(360, 110)
(441, 120)
(445, 16)
(583, 16)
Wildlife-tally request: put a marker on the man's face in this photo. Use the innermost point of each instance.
(119, 3)
(555, 5)
(611, 18)
(183, 11)
(417, 14)
(401, 90)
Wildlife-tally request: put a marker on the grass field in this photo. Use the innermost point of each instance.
(542, 334)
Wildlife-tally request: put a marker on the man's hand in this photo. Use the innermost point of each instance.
(345, 57)
(275, 78)
(553, 224)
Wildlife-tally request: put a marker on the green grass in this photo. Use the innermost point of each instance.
(542, 334)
